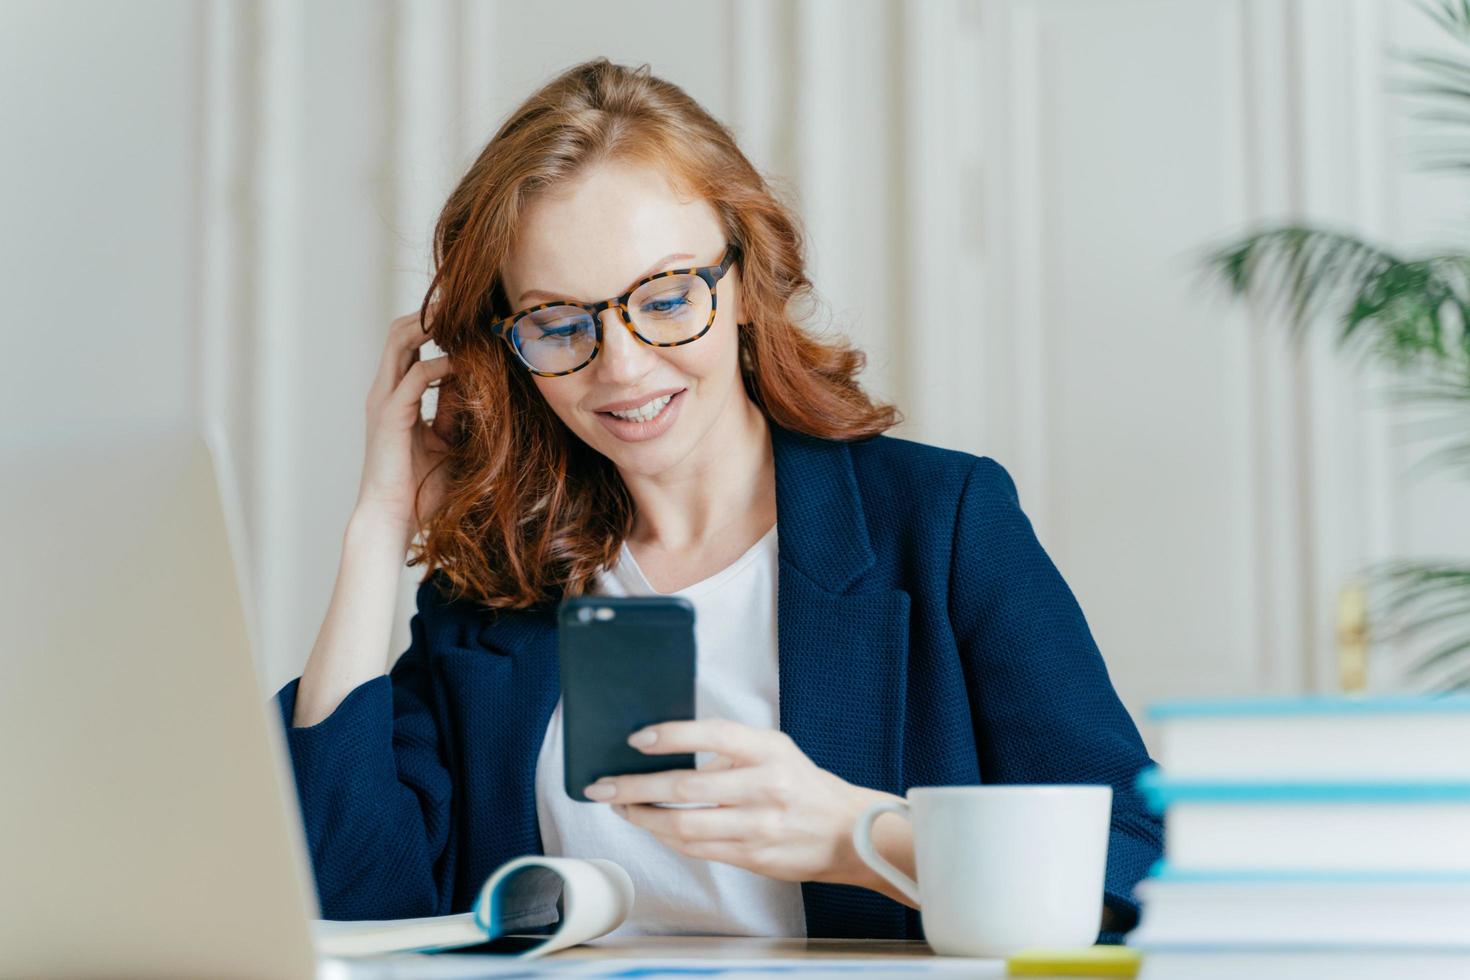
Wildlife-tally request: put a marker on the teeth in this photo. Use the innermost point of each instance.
(644, 413)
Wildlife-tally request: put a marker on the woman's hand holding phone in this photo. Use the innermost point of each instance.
(402, 448)
(775, 812)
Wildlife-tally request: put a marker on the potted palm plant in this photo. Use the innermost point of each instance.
(1408, 313)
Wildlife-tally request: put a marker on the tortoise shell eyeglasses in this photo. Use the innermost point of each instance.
(666, 309)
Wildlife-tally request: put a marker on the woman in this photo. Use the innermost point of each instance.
(905, 628)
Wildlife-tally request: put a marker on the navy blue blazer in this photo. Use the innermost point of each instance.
(924, 636)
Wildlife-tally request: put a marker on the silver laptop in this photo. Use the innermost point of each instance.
(148, 825)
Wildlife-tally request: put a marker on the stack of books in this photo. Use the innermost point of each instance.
(1309, 837)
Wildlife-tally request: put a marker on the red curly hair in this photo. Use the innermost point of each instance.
(531, 512)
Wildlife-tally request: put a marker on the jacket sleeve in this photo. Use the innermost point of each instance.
(375, 793)
(1044, 708)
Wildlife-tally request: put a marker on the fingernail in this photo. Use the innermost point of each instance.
(645, 737)
(601, 791)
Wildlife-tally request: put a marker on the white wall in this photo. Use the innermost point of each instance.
(99, 230)
(247, 190)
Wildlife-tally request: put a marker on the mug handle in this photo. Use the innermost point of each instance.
(862, 839)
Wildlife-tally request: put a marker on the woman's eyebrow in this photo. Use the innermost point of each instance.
(656, 267)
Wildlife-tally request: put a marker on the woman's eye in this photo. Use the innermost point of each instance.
(665, 304)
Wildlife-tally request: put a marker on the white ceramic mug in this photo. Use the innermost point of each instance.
(1001, 868)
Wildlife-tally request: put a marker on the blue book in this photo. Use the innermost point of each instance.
(1402, 738)
(1326, 911)
(1292, 826)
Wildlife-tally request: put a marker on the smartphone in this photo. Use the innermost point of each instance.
(626, 662)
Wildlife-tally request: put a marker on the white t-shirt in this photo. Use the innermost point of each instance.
(736, 678)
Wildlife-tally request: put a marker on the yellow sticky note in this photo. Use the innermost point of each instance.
(1088, 961)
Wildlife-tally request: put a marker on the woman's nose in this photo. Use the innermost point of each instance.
(624, 358)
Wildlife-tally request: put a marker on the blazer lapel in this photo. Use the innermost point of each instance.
(843, 654)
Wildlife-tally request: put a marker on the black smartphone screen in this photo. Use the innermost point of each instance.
(626, 662)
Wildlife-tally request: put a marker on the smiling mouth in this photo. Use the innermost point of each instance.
(646, 412)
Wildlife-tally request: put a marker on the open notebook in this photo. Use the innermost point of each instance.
(589, 897)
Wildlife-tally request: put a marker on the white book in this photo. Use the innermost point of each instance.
(589, 897)
(1330, 911)
(1394, 739)
(1321, 826)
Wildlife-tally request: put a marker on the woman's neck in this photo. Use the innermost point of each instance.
(728, 490)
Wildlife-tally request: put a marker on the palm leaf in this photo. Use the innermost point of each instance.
(1410, 312)
(1423, 589)
(1446, 653)
(1441, 80)
(1452, 16)
(1413, 596)
(1400, 310)
(1455, 681)
(1445, 391)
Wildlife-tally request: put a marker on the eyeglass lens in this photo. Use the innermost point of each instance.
(663, 311)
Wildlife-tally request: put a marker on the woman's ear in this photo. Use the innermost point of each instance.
(737, 299)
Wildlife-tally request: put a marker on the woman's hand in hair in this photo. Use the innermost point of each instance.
(777, 814)
(403, 450)
(352, 645)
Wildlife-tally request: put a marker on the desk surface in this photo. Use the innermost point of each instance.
(739, 947)
(759, 956)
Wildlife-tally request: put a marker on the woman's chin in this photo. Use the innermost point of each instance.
(647, 459)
